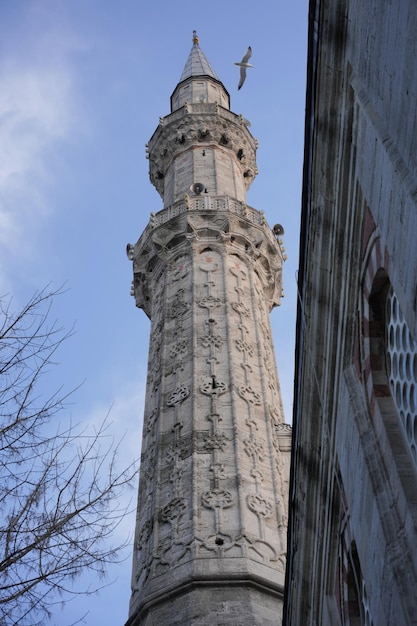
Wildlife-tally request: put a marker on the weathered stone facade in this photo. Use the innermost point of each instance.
(353, 512)
(211, 528)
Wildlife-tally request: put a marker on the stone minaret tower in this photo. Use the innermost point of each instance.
(210, 538)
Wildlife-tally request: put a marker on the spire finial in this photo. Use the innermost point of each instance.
(195, 38)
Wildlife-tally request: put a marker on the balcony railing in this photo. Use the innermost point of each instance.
(207, 203)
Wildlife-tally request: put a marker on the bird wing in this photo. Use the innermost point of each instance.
(242, 77)
(247, 56)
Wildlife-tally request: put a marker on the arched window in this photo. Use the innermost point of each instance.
(393, 359)
(402, 369)
(356, 611)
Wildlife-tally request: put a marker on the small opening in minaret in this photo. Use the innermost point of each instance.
(219, 541)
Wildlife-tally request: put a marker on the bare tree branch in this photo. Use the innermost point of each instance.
(59, 489)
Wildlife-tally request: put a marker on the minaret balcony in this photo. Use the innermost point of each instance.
(198, 137)
(185, 133)
(208, 204)
(221, 222)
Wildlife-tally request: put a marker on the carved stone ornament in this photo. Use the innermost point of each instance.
(241, 308)
(260, 506)
(207, 263)
(178, 395)
(254, 449)
(217, 470)
(175, 452)
(212, 340)
(181, 268)
(179, 349)
(217, 499)
(239, 270)
(250, 395)
(151, 420)
(283, 429)
(142, 537)
(264, 551)
(242, 346)
(218, 441)
(213, 386)
(209, 302)
(173, 510)
(179, 307)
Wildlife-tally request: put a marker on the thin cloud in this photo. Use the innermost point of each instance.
(36, 111)
(40, 111)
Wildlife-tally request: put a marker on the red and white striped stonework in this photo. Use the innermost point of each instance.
(375, 272)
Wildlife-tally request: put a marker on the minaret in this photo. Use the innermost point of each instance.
(210, 537)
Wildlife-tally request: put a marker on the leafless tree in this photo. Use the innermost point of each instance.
(60, 489)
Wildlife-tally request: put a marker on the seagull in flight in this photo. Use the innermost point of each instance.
(243, 65)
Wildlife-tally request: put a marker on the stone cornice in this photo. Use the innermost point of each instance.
(224, 223)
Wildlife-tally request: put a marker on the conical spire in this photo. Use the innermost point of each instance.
(199, 83)
(197, 63)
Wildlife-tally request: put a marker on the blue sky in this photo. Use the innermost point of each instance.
(82, 86)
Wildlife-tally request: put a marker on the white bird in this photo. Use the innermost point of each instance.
(243, 65)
